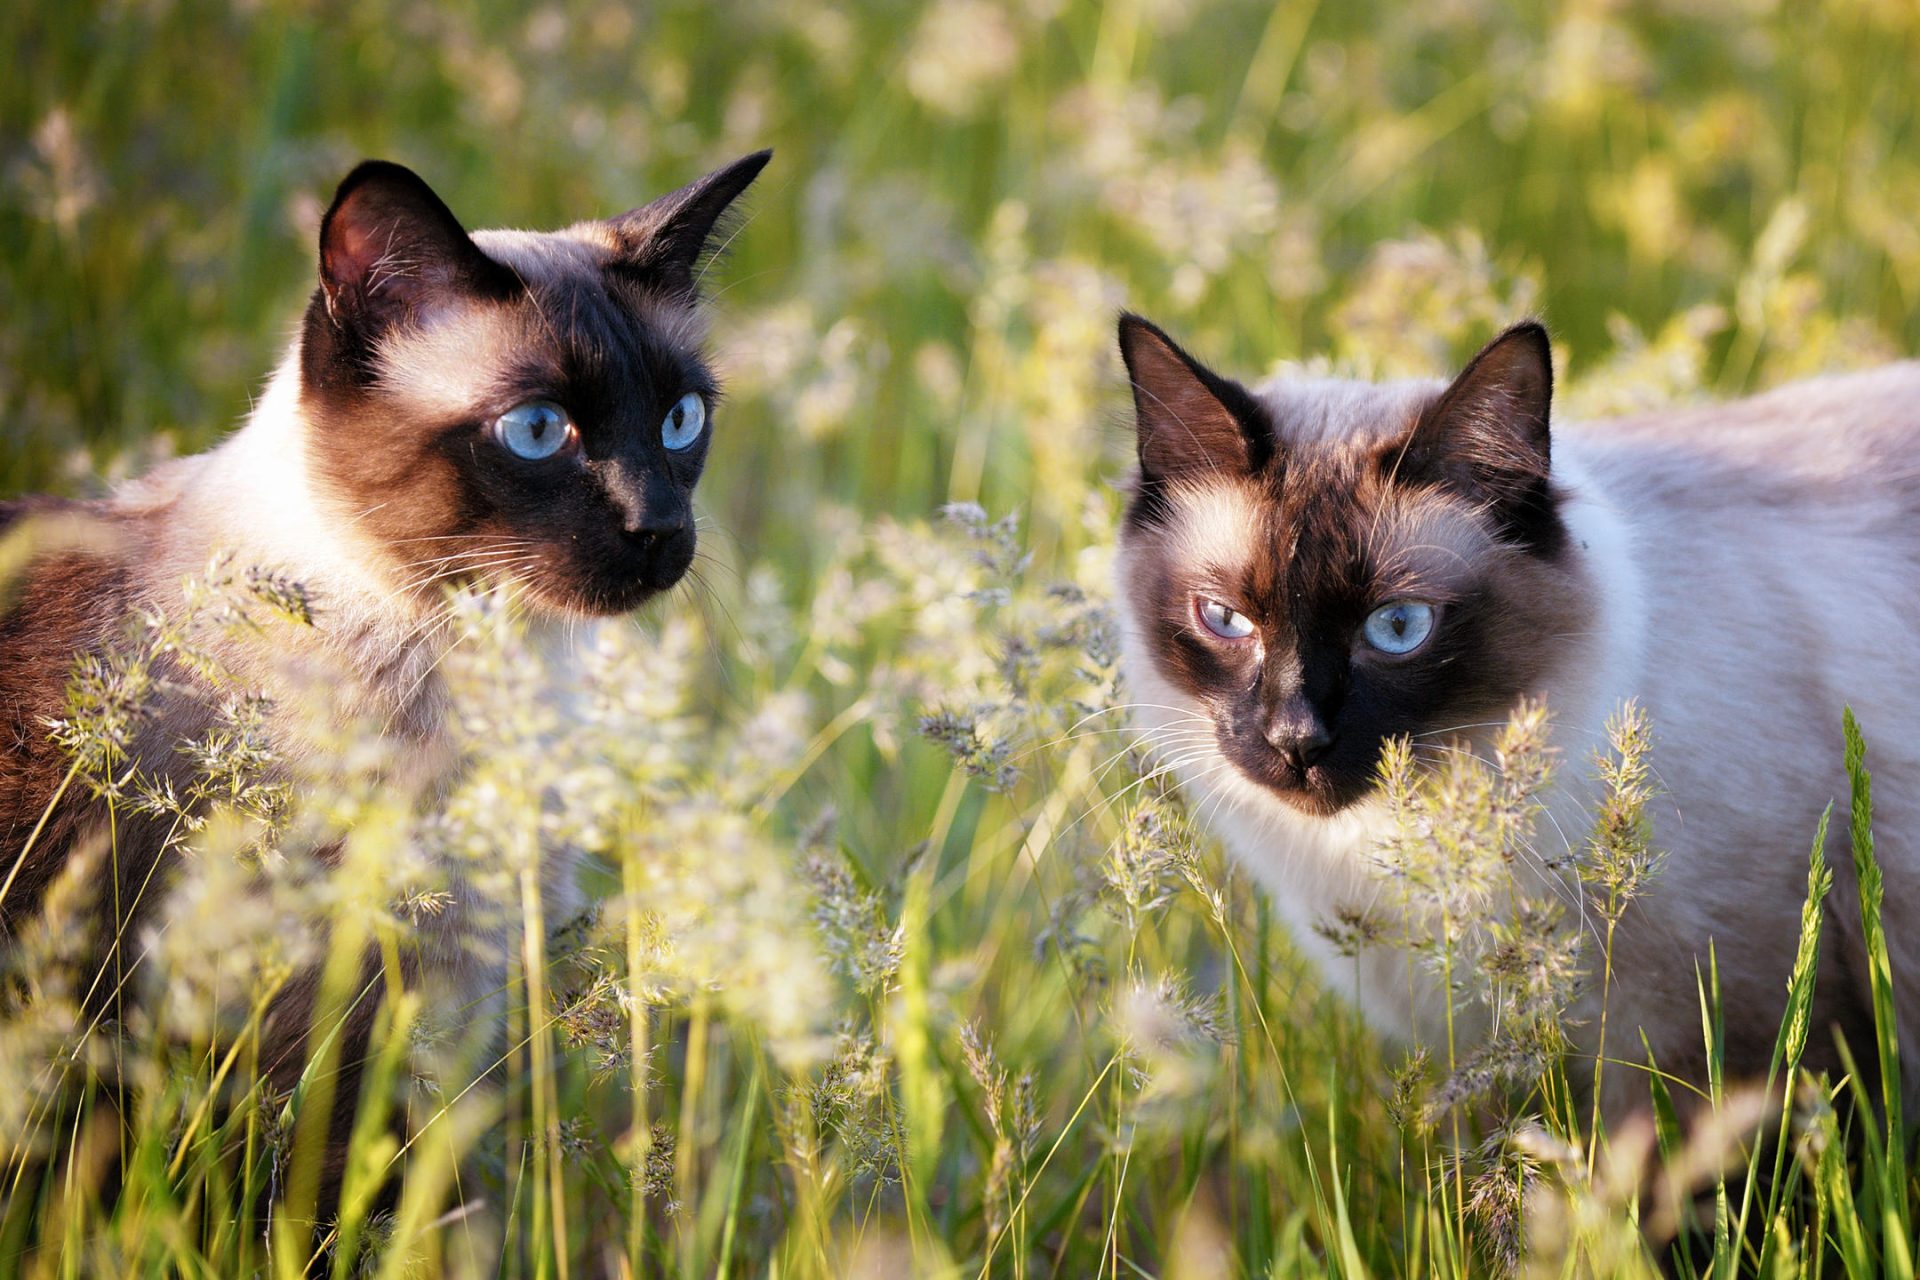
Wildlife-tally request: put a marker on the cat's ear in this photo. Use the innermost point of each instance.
(1188, 418)
(389, 246)
(1487, 435)
(665, 239)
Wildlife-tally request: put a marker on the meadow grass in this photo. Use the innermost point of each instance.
(905, 962)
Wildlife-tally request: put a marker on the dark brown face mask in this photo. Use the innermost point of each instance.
(534, 406)
(1318, 596)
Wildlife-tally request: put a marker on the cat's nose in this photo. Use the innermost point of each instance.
(664, 548)
(1298, 733)
(646, 534)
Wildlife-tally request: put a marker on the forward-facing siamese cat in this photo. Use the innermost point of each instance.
(506, 406)
(1313, 566)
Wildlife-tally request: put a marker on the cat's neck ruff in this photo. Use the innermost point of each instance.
(255, 498)
(1585, 691)
(256, 495)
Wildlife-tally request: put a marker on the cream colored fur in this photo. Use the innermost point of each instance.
(255, 497)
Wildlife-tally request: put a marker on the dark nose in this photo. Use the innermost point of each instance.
(647, 534)
(1297, 732)
(664, 549)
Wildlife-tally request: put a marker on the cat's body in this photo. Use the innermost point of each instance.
(249, 498)
(1742, 570)
(249, 502)
(521, 410)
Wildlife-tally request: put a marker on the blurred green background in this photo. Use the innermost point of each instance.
(1701, 196)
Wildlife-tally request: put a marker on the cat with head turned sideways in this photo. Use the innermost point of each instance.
(523, 410)
(1311, 567)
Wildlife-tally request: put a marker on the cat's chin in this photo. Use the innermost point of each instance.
(1314, 802)
(1314, 793)
(599, 600)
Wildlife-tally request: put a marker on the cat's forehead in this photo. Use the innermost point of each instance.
(1317, 417)
(558, 266)
(1328, 527)
(576, 312)
(549, 255)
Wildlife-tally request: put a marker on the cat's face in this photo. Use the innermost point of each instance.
(1326, 565)
(530, 408)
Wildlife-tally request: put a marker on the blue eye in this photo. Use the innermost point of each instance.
(534, 430)
(1400, 627)
(1224, 622)
(683, 422)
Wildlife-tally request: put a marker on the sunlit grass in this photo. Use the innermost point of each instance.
(897, 962)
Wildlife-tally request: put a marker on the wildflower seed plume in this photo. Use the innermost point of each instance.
(1480, 906)
(833, 918)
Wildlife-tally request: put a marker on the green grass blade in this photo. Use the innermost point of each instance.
(1880, 974)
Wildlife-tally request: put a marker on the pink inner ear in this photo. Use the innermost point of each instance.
(349, 247)
(1505, 394)
(375, 252)
(1189, 418)
(1183, 425)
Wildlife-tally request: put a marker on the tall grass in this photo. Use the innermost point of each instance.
(902, 959)
(742, 1053)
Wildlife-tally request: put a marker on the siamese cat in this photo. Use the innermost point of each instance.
(1312, 566)
(509, 407)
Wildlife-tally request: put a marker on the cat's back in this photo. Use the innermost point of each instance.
(1776, 543)
(1782, 531)
(67, 572)
(71, 569)
(1775, 553)
(1842, 447)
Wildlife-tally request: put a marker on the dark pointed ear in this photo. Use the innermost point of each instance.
(1188, 418)
(666, 238)
(388, 245)
(1487, 435)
